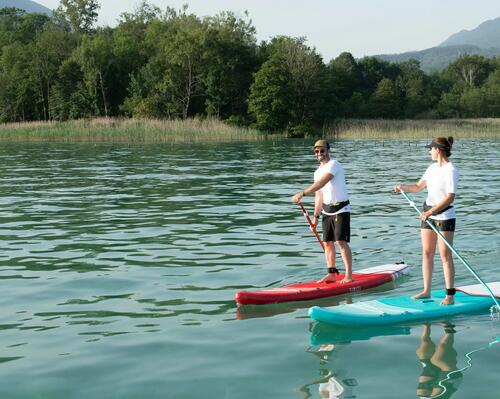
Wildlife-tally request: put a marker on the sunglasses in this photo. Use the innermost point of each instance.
(322, 151)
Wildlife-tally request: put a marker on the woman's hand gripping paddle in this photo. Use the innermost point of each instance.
(311, 225)
(495, 309)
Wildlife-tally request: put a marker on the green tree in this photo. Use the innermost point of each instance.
(412, 83)
(385, 101)
(180, 42)
(345, 76)
(70, 97)
(131, 52)
(16, 26)
(49, 51)
(473, 103)
(18, 86)
(491, 93)
(373, 71)
(449, 104)
(304, 94)
(308, 72)
(230, 62)
(271, 96)
(79, 16)
(95, 58)
(472, 70)
(22, 93)
(355, 106)
(147, 98)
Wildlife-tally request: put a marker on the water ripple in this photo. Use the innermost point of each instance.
(114, 250)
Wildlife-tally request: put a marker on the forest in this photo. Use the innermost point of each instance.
(173, 64)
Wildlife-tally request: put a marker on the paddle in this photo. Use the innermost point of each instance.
(455, 252)
(311, 225)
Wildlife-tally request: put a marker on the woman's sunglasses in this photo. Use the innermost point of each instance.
(322, 151)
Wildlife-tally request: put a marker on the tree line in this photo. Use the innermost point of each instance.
(173, 64)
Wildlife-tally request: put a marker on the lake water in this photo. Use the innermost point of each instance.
(119, 266)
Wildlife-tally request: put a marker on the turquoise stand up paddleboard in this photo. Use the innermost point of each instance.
(403, 309)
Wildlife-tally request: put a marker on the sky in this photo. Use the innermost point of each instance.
(361, 27)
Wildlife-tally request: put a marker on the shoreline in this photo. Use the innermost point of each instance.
(129, 130)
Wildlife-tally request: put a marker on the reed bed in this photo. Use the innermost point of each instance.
(130, 130)
(125, 130)
(375, 129)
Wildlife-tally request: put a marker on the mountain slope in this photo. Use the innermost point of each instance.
(483, 40)
(27, 5)
(437, 58)
(484, 36)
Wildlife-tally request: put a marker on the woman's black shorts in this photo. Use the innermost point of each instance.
(441, 225)
(337, 227)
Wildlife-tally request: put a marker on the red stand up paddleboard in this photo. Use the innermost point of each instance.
(362, 280)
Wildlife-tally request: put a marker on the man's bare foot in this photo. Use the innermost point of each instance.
(346, 280)
(448, 300)
(329, 278)
(422, 295)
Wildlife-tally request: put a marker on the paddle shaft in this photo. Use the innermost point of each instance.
(313, 228)
(452, 249)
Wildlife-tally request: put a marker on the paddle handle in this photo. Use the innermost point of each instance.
(313, 228)
(412, 204)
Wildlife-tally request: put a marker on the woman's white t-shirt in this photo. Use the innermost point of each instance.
(441, 181)
(336, 189)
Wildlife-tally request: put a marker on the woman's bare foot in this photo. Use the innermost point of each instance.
(422, 295)
(346, 280)
(448, 300)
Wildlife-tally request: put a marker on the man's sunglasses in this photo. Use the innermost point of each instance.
(322, 151)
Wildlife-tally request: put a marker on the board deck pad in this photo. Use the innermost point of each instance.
(362, 280)
(401, 309)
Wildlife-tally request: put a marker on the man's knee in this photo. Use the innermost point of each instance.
(343, 245)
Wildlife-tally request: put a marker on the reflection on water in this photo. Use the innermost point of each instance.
(244, 312)
(326, 334)
(440, 376)
(332, 384)
(438, 361)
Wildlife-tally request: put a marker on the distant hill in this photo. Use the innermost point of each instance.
(485, 36)
(27, 5)
(483, 40)
(437, 58)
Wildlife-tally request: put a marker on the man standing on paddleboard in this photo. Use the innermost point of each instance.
(331, 201)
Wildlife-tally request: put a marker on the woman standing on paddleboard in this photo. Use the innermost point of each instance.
(441, 181)
(331, 200)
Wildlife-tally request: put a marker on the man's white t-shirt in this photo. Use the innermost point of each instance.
(336, 189)
(441, 181)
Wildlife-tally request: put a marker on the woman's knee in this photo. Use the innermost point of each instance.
(428, 253)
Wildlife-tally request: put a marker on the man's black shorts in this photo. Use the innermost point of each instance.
(337, 227)
(441, 225)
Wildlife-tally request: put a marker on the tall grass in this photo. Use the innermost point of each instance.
(127, 131)
(413, 129)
